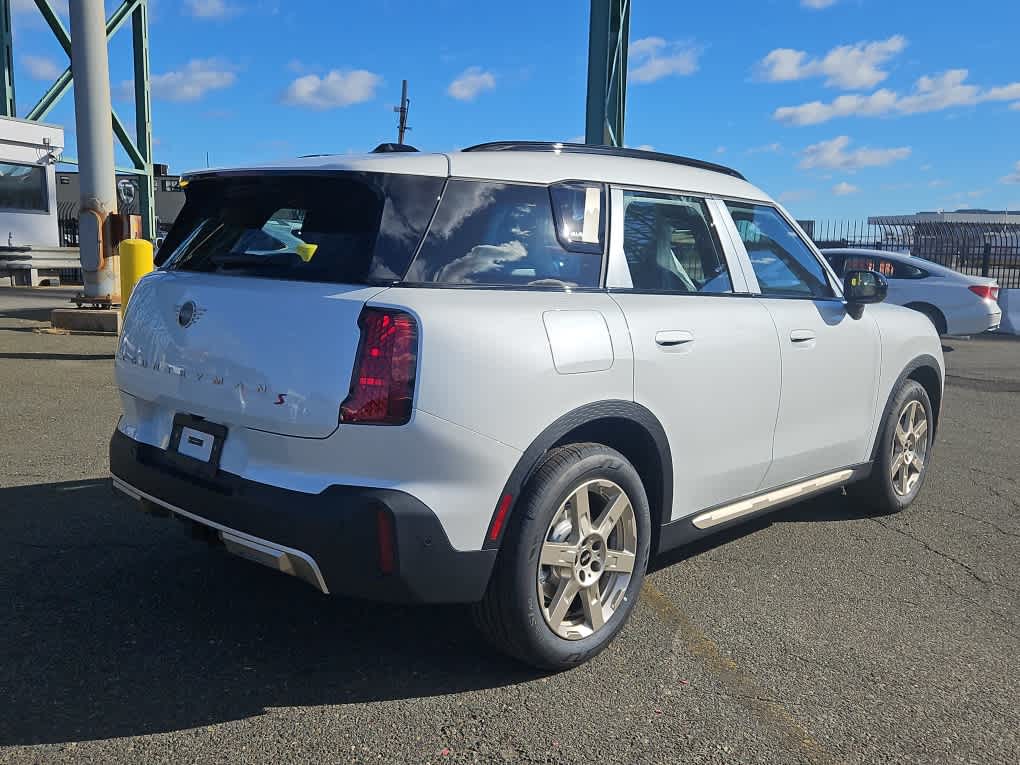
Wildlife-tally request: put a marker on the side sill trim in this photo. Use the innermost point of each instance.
(276, 556)
(764, 501)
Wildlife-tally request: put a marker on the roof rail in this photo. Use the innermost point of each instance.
(582, 148)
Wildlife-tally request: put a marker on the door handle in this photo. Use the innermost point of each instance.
(669, 338)
(802, 335)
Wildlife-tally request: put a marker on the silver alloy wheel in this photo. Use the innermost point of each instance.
(910, 448)
(586, 565)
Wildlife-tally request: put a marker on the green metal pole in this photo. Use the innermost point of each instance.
(143, 120)
(609, 33)
(7, 102)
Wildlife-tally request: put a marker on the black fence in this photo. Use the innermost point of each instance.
(979, 249)
(68, 231)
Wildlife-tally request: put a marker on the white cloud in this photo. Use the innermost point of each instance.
(652, 58)
(817, 4)
(470, 83)
(198, 77)
(41, 67)
(1015, 106)
(336, 89)
(833, 155)
(1013, 177)
(851, 67)
(720, 149)
(211, 9)
(931, 94)
(843, 189)
(937, 183)
(645, 147)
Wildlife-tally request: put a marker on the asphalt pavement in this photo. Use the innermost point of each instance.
(824, 634)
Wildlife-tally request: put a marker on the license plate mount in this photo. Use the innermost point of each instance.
(196, 444)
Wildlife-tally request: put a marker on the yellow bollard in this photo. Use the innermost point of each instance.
(135, 262)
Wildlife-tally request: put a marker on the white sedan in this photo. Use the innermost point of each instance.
(956, 303)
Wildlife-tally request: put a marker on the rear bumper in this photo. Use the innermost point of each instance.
(330, 539)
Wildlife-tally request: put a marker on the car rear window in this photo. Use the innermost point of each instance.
(351, 228)
(489, 233)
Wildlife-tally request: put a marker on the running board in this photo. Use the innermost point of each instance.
(767, 500)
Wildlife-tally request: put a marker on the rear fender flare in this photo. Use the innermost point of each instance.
(583, 415)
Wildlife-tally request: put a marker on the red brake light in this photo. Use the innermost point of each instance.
(986, 291)
(382, 385)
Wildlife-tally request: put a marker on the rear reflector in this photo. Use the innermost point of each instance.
(500, 518)
(382, 386)
(384, 532)
(985, 291)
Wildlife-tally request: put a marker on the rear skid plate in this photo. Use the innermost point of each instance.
(284, 559)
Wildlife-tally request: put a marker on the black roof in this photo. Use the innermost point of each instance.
(583, 148)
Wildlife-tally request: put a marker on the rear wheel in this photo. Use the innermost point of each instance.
(904, 452)
(573, 560)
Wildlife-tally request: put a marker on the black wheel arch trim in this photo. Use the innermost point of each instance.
(572, 420)
(924, 360)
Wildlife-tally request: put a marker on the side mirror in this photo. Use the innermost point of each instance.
(864, 287)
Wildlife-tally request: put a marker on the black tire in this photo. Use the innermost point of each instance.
(511, 616)
(935, 316)
(878, 489)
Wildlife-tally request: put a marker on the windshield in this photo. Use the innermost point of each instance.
(351, 228)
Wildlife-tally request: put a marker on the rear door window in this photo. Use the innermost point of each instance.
(489, 233)
(671, 246)
(351, 228)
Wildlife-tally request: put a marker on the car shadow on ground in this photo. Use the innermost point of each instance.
(831, 507)
(117, 624)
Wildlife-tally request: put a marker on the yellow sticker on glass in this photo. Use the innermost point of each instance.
(305, 251)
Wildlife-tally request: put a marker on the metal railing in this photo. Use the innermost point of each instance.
(979, 249)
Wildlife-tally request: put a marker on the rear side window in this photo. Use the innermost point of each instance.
(671, 246)
(487, 233)
(351, 228)
(783, 264)
(888, 268)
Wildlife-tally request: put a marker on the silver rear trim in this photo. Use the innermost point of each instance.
(275, 556)
(756, 504)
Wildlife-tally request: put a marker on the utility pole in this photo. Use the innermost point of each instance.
(609, 33)
(91, 71)
(402, 111)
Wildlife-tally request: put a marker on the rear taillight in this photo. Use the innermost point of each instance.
(382, 386)
(985, 291)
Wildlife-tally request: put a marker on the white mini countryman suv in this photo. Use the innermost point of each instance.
(506, 376)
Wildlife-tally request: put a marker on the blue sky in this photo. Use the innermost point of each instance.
(841, 108)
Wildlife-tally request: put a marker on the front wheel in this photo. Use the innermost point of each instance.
(573, 559)
(904, 451)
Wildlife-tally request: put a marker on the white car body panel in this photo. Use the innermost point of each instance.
(486, 364)
(831, 367)
(743, 407)
(716, 394)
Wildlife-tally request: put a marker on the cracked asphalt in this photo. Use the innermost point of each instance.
(823, 634)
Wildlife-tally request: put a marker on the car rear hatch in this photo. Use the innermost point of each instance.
(253, 318)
